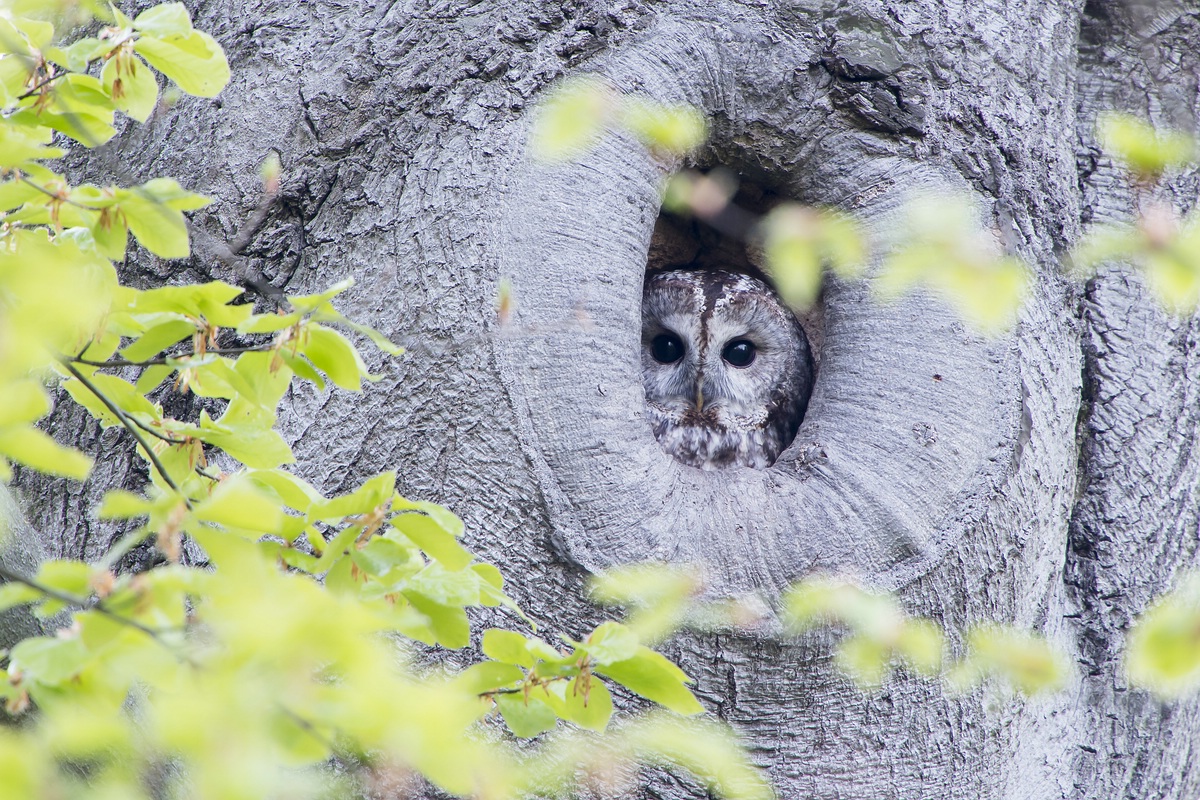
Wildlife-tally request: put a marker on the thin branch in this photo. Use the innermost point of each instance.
(231, 253)
(43, 85)
(78, 602)
(129, 424)
(166, 437)
(310, 728)
(55, 195)
(540, 684)
(113, 363)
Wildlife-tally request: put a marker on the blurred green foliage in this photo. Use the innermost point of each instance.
(292, 647)
(294, 650)
(1163, 652)
(1163, 243)
(578, 112)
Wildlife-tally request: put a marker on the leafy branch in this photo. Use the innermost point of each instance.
(129, 424)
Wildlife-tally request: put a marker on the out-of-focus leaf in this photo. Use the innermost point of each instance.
(942, 247)
(1024, 660)
(1163, 650)
(29, 446)
(1148, 151)
(674, 129)
(572, 118)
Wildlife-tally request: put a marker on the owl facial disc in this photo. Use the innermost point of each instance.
(726, 368)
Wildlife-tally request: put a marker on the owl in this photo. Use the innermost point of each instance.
(726, 366)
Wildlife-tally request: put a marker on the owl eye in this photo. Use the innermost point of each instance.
(667, 348)
(739, 353)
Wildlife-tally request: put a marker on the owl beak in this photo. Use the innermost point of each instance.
(699, 397)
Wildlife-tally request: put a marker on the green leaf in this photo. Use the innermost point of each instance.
(268, 323)
(290, 490)
(159, 228)
(33, 448)
(366, 498)
(447, 587)
(168, 192)
(81, 108)
(111, 234)
(489, 675)
(611, 642)
(121, 393)
(444, 517)
(526, 717)
(652, 676)
(332, 353)
(164, 20)
(131, 85)
(588, 704)
(506, 647)
(260, 383)
(309, 303)
(254, 444)
(380, 556)
(194, 61)
(152, 377)
(302, 367)
(431, 537)
(449, 624)
(158, 338)
(76, 56)
(237, 503)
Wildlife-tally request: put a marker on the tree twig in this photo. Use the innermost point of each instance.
(78, 602)
(55, 195)
(129, 424)
(113, 363)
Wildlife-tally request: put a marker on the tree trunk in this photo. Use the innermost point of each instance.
(1043, 479)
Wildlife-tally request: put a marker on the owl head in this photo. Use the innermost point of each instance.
(726, 368)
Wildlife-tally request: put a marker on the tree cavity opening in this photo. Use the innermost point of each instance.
(727, 367)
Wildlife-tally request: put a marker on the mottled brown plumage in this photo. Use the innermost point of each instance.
(726, 368)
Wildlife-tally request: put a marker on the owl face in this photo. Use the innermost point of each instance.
(726, 368)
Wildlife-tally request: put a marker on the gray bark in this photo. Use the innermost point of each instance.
(1058, 493)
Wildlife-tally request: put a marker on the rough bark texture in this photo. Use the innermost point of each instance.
(1045, 480)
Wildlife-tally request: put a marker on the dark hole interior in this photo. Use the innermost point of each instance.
(727, 242)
